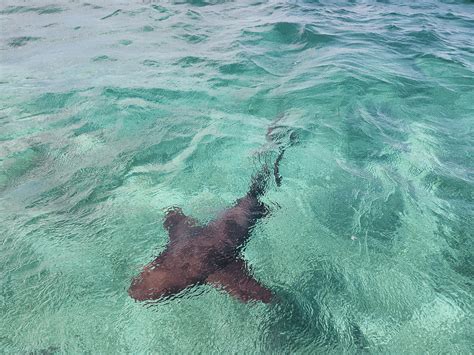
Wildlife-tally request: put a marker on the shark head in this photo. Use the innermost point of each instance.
(155, 283)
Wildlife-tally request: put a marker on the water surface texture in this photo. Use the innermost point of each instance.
(111, 112)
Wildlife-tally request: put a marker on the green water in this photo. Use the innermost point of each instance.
(111, 112)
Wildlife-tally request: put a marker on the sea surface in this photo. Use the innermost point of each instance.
(113, 111)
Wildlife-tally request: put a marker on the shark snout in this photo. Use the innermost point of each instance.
(141, 290)
(137, 291)
(152, 285)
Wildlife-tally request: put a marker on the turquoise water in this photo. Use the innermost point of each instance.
(111, 112)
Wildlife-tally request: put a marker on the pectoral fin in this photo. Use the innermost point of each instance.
(235, 279)
(177, 223)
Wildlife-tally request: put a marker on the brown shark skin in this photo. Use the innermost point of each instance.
(211, 254)
(205, 254)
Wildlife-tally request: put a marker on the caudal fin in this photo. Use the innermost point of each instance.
(279, 137)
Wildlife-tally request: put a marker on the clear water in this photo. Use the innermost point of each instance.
(113, 111)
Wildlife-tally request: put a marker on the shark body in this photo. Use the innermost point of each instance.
(209, 254)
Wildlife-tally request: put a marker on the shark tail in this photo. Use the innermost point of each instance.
(260, 180)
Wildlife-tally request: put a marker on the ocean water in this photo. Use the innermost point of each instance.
(113, 111)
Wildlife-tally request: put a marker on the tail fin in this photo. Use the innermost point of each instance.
(261, 178)
(282, 139)
(259, 182)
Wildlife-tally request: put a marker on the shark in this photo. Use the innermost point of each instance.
(210, 254)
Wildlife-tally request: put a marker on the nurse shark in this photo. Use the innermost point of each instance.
(210, 254)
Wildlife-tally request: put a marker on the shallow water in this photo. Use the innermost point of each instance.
(112, 112)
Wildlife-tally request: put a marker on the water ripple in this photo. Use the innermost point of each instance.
(112, 113)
